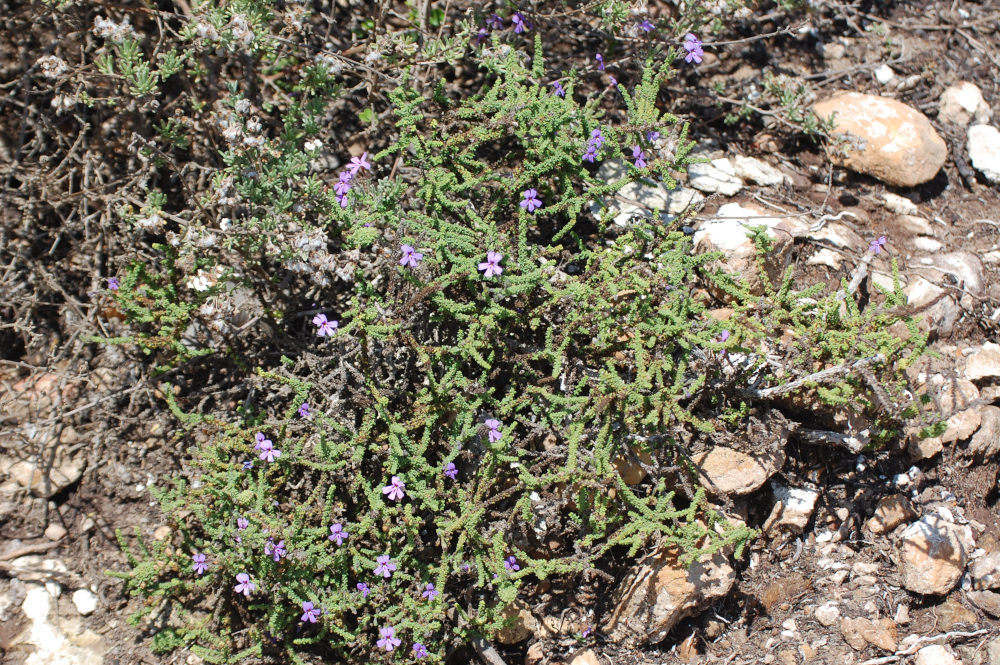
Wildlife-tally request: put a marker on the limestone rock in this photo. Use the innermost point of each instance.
(45, 483)
(962, 103)
(899, 204)
(932, 557)
(728, 471)
(985, 442)
(880, 632)
(54, 640)
(659, 592)
(792, 510)
(984, 151)
(956, 397)
(524, 624)
(891, 511)
(983, 363)
(935, 654)
(886, 139)
(718, 176)
(754, 170)
(588, 657)
(729, 233)
(85, 601)
(827, 614)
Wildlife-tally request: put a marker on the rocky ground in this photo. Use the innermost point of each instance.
(865, 556)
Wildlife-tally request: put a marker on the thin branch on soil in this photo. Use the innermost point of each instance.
(921, 641)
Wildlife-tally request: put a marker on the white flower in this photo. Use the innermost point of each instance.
(243, 106)
(253, 141)
(152, 222)
(202, 281)
(225, 224)
(51, 66)
(207, 31)
(241, 30)
(313, 145)
(108, 29)
(253, 125)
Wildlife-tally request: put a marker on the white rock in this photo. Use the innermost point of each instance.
(85, 601)
(963, 102)
(899, 204)
(932, 557)
(645, 198)
(50, 643)
(792, 510)
(826, 257)
(762, 173)
(935, 654)
(884, 74)
(983, 363)
(984, 151)
(718, 176)
(926, 244)
(827, 614)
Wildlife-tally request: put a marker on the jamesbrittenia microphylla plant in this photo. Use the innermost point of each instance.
(472, 367)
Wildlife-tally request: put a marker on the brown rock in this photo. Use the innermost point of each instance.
(44, 484)
(535, 654)
(588, 657)
(935, 654)
(792, 510)
(891, 511)
(931, 556)
(880, 632)
(983, 363)
(524, 624)
(987, 601)
(924, 448)
(659, 592)
(986, 441)
(728, 471)
(886, 139)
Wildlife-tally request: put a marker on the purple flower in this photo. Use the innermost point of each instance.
(362, 589)
(277, 550)
(430, 593)
(491, 266)
(646, 26)
(199, 564)
(394, 490)
(639, 156)
(596, 138)
(600, 62)
(693, 47)
(531, 201)
(510, 563)
(242, 523)
(247, 465)
(419, 650)
(310, 613)
(451, 470)
(480, 35)
(875, 246)
(614, 81)
(494, 22)
(344, 184)
(244, 585)
(337, 534)
(494, 425)
(324, 328)
(387, 638)
(411, 257)
(591, 153)
(342, 200)
(723, 336)
(261, 440)
(359, 163)
(652, 136)
(384, 566)
(557, 89)
(304, 410)
(520, 25)
(113, 283)
(268, 453)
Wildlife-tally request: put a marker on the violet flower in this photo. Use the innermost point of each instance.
(591, 153)
(557, 89)
(520, 25)
(242, 523)
(199, 564)
(652, 136)
(363, 589)
(639, 156)
(430, 593)
(875, 246)
(394, 491)
(261, 440)
(387, 638)
(480, 35)
(723, 336)
(384, 566)
(693, 47)
(247, 465)
(491, 266)
(268, 453)
(342, 200)
(276, 551)
(600, 62)
(244, 585)
(411, 257)
(596, 138)
(646, 25)
(324, 327)
(419, 650)
(494, 434)
(113, 283)
(494, 22)
(531, 201)
(304, 410)
(310, 613)
(450, 470)
(337, 534)
(359, 163)
(510, 563)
